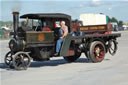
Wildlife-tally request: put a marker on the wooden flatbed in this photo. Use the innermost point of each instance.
(114, 35)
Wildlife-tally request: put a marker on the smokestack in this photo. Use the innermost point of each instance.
(15, 22)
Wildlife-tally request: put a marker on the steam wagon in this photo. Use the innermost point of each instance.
(29, 40)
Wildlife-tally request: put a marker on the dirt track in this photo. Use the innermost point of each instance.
(112, 71)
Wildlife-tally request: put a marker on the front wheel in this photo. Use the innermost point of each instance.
(96, 52)
(21, 61)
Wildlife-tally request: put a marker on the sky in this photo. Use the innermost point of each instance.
(112, 8)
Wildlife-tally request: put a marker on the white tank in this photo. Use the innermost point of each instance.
(93, 19)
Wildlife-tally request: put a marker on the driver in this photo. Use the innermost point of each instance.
(25, 26)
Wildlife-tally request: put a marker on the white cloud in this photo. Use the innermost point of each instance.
(125, 0)
(96, 2)
(109, 9)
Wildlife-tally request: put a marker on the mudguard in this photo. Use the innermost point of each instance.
(65, 45)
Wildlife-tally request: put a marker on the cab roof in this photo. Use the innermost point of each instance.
(46, 15)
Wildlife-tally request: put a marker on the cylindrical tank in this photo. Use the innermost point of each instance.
(93, 19)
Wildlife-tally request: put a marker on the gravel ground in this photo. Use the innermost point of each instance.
(113, 70)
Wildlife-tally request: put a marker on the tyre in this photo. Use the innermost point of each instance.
(87, 55)
(96, 52)
(112, 47)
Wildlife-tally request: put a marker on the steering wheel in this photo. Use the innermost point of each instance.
(39, 24)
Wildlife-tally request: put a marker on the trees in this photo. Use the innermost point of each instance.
(7, 23)
(113, 19)
(120, 23)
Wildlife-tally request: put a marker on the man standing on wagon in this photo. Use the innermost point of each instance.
(63, 31)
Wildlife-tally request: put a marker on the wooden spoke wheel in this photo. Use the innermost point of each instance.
(21, 61)
(112, 47)
(8, 59)
(96, 52)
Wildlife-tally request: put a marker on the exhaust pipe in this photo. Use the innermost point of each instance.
(15, 22)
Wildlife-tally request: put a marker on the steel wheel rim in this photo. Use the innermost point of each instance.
(22, 61)
(112, 47)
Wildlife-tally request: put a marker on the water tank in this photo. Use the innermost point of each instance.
(93, 19)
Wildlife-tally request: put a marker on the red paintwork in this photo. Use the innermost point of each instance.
(102, 53)
(46, 29)
(107, 28)
(70, 52)
(106, 33)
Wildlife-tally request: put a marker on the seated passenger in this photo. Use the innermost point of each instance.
(45, 27)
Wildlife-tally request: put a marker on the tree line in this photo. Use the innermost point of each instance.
(113, 19)
(7, 23)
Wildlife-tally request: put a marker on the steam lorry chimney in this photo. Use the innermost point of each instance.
(15, 22)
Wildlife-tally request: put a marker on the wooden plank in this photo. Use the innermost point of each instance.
(96, 28)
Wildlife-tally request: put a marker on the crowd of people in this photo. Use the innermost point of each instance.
(4, 31)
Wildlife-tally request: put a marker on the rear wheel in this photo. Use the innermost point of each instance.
(73, 58)
(96, 52)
